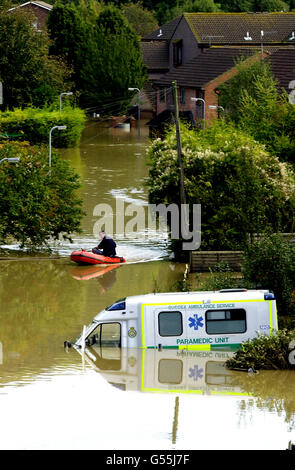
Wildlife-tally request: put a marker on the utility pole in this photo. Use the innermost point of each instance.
(179, 151)
(184, 214)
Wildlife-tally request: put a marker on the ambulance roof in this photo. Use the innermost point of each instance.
(200, 296)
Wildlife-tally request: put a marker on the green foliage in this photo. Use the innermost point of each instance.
(273, 5)
(256, 105)
(233, 91)
(29, 76)
(103, 50)
(115, 62)
(241, 188)
(264, 352)
(269, 263)
(254, 5)
(193, 6)
(33, 125)
(163, 9)
(221, 277)
(142, 20)
(36, 206)
(70, 30)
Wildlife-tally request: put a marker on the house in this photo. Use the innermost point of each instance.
(40, 10)
(198, 81)
(199, 51)
(192, 33)
(282, 63)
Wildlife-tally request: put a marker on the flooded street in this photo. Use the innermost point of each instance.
(57, 398)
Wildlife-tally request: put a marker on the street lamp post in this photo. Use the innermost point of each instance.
(10, 159)
(204, 108)
(60, 128)
(213, 106)
(138, 91)
(68, 93)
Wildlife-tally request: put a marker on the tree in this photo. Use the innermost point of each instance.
(103, 51)
(271, 5)
(257, 106)
(193, 6)
(36, 205)
(232, 92)
(70, 30)
(142, 20)
(113, 62)
(28, 75)
(242, 189)
(254, 5)
(269, 263)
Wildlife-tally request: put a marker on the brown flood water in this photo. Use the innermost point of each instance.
(52, 398)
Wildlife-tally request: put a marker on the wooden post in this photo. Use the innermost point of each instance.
(179, 151)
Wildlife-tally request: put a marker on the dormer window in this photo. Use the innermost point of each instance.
(177, 52)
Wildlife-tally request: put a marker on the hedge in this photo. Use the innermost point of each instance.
(34, 124)
(37, 206)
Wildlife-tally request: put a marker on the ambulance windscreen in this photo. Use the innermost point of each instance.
(118, 305)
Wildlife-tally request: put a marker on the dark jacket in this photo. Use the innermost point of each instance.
(108, 246)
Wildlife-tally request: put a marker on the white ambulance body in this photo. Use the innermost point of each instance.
(184, 320)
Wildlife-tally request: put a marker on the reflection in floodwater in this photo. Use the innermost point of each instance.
(170, 371)
(84, 273)
(199, 373)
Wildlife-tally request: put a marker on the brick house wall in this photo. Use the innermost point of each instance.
(39, 11)
(165, 99)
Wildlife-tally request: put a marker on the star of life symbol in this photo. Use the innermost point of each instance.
(196, 373)
(196, 322)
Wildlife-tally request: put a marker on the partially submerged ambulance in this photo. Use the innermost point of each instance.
(183, 320)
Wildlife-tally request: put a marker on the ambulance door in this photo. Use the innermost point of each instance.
(170, 327)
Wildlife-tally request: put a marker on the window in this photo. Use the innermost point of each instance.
(105, 342)
(225, 321)
(110, 334)
(177, 53)
(118, 305)
(106, 334)
(182, 95)
(170, 371)
(170, 324)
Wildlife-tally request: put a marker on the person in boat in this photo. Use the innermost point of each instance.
(107, 246)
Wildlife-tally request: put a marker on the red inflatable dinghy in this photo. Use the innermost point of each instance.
(87, 257)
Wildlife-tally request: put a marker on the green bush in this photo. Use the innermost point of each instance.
(36, 205)
(241, 188)
(221, 277)
(269, 263)
(254, 102)
(265, 352)
(34, 124)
